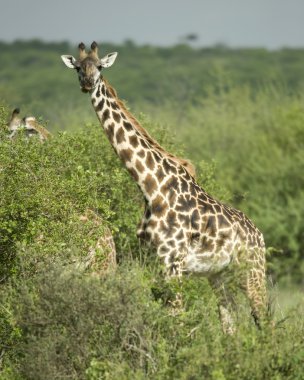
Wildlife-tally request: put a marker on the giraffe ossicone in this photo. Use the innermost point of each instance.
(192, 232)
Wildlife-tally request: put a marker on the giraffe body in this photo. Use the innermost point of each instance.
(192, 232)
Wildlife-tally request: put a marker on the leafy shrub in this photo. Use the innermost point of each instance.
(70, 319)
(121, 325)
(46, 187)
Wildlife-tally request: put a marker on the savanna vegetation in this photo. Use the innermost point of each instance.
(239, 116)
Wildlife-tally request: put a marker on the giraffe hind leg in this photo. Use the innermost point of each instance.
(256, 293)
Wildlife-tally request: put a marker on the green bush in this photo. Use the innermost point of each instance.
(72, 325)
(71, 320)
(46, 187)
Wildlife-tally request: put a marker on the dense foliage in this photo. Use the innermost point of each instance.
(238, 114)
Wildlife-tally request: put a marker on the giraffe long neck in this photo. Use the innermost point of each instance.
(142, 156)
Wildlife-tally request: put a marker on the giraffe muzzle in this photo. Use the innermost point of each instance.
(87, 85)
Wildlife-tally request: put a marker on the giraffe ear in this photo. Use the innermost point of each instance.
(108, 60)
(69, 61)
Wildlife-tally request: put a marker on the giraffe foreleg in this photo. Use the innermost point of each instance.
(172, 258)
(141, 231)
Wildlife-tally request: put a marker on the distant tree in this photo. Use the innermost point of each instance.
(189, 38)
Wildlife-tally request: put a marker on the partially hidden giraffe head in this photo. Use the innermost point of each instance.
(89, 65)
(28, 124)
(15, 122)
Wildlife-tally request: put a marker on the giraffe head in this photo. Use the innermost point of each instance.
(28, 124)
(88, 65)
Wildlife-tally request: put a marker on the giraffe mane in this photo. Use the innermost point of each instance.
(186, 164)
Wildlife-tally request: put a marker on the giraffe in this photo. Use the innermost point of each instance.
(192, 232)
(28, 124)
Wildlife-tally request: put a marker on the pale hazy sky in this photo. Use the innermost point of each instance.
(266, 23)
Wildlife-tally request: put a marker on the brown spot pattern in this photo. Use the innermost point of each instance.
(158, 206)
(139, 166)
(120, 135)
(150, 184)
(171, 218)
(114, 106)
(110, 132)
(150, 161)
(126, 154)
(105, 115)
(171, 183)
(133, 141)
(141, 153)
(100, 105)
(128, 126)
(211, 225)
(116, 116)
(160, 175)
